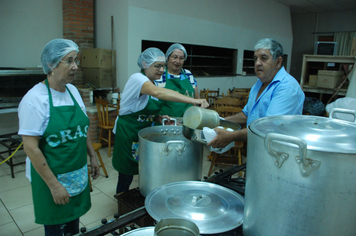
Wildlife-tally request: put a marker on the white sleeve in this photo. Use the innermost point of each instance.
(131, 101)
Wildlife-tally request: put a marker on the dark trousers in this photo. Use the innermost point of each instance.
(123, 183)
(65, 229)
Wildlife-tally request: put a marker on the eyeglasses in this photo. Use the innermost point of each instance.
(159, 66)
(71, 62)
(176, 58)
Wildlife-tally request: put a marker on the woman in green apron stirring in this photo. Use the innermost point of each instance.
(140, 104)
(55, 132)
(177, 79)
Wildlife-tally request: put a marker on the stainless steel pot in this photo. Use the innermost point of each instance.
(300, 177)
(166, 156)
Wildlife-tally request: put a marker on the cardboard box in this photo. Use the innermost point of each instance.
(99, 77)
(96, 58)
(353, 47)
(313, 80)
(329, 78)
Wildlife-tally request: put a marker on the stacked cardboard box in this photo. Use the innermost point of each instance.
(329, 78)
(313, 80)
(97, 67)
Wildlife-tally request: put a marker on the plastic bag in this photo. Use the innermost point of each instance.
(313, 106)
(344, 103)
(210, 135)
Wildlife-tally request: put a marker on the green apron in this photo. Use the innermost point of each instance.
(64, 146)
(126, 136)
(177, 109)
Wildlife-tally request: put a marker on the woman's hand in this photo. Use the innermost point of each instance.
(202, 102)
(60, 194)
(168, 122)
(95, 168)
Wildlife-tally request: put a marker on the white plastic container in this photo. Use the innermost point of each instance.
(197, 118)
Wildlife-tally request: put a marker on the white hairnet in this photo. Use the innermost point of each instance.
(150, 56)
(54, 51)
(174, 47)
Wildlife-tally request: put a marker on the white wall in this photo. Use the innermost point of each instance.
(25, 28)
(27, 25)
(229, 23)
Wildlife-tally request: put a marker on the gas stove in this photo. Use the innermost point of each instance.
(132, 213)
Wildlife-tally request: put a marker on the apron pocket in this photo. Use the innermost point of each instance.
(76, 181)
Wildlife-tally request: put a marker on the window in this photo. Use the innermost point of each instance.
(248, 66)
(203, 60)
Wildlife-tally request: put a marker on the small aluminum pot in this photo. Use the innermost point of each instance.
(176, 227)
(197, 135)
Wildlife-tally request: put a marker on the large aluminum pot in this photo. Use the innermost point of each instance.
(300, 176)
(166, 156)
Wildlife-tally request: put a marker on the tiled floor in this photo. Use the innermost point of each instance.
(16, 207)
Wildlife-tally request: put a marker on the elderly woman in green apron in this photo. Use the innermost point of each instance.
(55, 132)
(140, 103)
(177, 79)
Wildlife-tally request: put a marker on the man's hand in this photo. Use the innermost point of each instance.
(222, 139)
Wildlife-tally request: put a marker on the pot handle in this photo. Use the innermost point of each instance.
(175, 121)
(180, 150)
(345, 111)
(306, 165)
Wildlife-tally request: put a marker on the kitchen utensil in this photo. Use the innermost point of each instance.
(197, 118)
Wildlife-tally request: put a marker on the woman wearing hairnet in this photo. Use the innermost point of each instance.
(177, 79)
(55, 132)
(140, 104)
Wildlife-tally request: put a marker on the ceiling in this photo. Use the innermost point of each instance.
(317, 6)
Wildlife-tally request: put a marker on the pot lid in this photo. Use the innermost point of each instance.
(141, 231)
(320, 133)
(213, 208)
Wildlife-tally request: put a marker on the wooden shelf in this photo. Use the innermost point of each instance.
(313, 63)
(312, 89)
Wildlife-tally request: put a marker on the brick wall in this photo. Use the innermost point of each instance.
(78, 25)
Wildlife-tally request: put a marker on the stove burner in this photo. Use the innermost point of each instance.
(224, 178)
